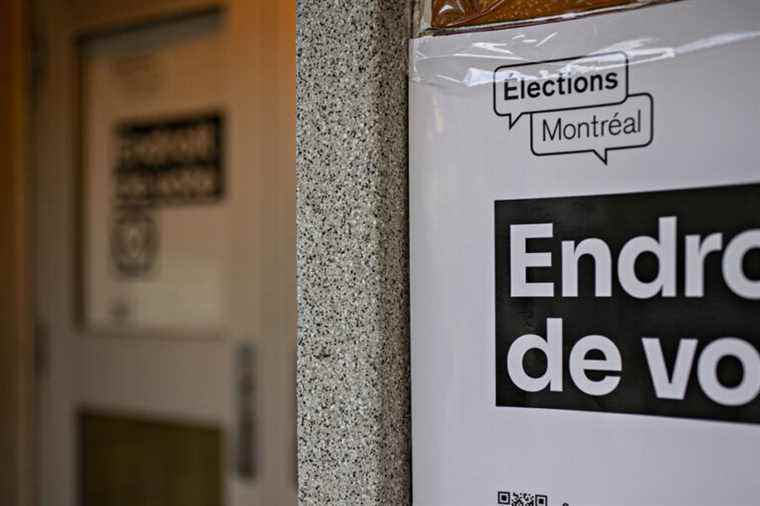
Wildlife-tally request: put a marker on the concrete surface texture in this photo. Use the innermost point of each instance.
(353, 337)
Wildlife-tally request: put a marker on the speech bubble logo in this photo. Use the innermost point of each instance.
(567, 83)
(595, 129)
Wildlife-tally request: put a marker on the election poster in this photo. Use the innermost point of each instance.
(585, 260)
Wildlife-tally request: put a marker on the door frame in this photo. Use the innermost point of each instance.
(16, 337)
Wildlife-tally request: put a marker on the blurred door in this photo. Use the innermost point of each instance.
(165, 237)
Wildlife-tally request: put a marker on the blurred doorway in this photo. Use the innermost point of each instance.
(164, 190)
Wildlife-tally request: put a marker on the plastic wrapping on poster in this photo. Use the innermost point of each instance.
(466, 60)
(443, 15)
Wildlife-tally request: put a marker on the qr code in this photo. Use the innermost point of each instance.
(522, 499)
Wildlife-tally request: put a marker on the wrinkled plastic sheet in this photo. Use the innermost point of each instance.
(456, 63)
(445, 15)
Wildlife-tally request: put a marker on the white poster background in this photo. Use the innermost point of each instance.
(698, 59)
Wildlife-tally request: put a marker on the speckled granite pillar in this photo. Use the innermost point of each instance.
(353, 341)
